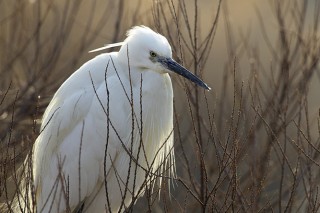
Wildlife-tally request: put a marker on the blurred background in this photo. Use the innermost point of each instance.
(251, 144)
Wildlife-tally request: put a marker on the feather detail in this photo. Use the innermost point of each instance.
(107, 46)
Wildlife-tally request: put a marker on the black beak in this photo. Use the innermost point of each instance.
(173, 66)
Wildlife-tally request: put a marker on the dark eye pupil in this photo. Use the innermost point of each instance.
(153, 54)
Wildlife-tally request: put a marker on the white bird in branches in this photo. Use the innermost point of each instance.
(107, 134)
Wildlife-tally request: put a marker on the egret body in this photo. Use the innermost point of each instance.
(110, 122)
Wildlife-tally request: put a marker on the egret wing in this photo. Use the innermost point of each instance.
(71, 142)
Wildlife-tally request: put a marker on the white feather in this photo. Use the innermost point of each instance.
(76, 117)
(107, 46)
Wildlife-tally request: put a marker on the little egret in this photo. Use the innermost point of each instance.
(108, 131)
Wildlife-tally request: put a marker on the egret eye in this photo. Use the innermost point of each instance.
(153, 54)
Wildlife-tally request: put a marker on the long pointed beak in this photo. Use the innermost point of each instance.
(174, 66)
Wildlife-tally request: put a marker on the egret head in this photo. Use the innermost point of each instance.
(144, 48)
(150, 51)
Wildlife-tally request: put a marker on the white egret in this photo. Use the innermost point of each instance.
(101, 104)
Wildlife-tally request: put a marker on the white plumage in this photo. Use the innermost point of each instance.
(70, 150)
